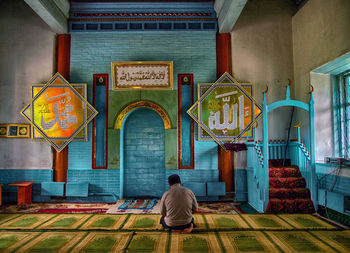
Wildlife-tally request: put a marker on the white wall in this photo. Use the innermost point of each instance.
(26, 57)
(262, 53)
(323, 114)
(320, 35)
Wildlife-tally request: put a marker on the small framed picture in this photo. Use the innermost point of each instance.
(14, 130)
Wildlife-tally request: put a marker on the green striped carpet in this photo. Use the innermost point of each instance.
(142, 233)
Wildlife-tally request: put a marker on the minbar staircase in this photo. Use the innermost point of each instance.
(287, 191)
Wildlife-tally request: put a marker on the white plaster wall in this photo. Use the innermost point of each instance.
(323, 114)
(320, 35)
(262, 53)
(26, 57)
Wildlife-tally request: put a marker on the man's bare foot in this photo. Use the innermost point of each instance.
(184, 231)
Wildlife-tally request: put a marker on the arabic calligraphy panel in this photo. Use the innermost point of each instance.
(142, 75)
(81, 89)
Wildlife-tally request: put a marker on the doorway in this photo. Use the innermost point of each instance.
(144, 154)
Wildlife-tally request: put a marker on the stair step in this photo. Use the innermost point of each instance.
(279, 162)
(290, 206)
(288, 182)
(289, 193)
(291, 171)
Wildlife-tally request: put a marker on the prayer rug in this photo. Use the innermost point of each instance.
(217, 207)
(138, 204)
(305, 221)
(9, 241)
(143, 222)
(52, 242)
(298, 241)
(66, 221)
(7, 216)
(200, 222)
(340, 240)
(26, 221)
(247, 241)
(116, 210)
(105, 221)
(202, 242)
(70, 210)
(148, 242)
(225, 221)
(103, 242)
(265, 221)
(57, 208)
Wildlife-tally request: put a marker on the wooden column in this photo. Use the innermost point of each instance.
(223, 64)
(60, 159)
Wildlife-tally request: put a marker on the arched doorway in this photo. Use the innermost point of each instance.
(144, 154)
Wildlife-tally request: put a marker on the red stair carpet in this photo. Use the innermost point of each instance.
(287, 191)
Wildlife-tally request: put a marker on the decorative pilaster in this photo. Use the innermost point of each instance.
(223, 64)
(63, 67)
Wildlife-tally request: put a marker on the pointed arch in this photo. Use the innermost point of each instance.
(142, 104)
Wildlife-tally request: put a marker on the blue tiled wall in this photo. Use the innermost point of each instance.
(191, 52)
(144, 154)
(10, 176)
(100, 181)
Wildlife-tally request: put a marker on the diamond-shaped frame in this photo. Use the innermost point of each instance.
(83, 87)
(195, 110)
(59, 143)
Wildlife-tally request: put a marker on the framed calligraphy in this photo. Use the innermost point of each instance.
(225, 110)
(142, 75)
(58, 112)
(82, 90)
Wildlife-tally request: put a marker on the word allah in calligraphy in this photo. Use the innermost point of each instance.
(214, 118)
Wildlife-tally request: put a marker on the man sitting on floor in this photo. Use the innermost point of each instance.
(176, 207)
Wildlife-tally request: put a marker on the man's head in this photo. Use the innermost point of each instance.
(174, 179)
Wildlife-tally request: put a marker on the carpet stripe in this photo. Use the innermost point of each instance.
(305, 221)
(225, 221)
(247, 241)
(115, 222)
(96, 242)
(26, 221)
(298, 241)
(70, 239)
(339, 240)
(73, 221)
(266, 221)
(201, 242)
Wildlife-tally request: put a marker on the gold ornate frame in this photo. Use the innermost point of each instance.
(14, 131)
(139, 64)
(142, 104)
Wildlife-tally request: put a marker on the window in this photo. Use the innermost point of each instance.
(341, 114)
